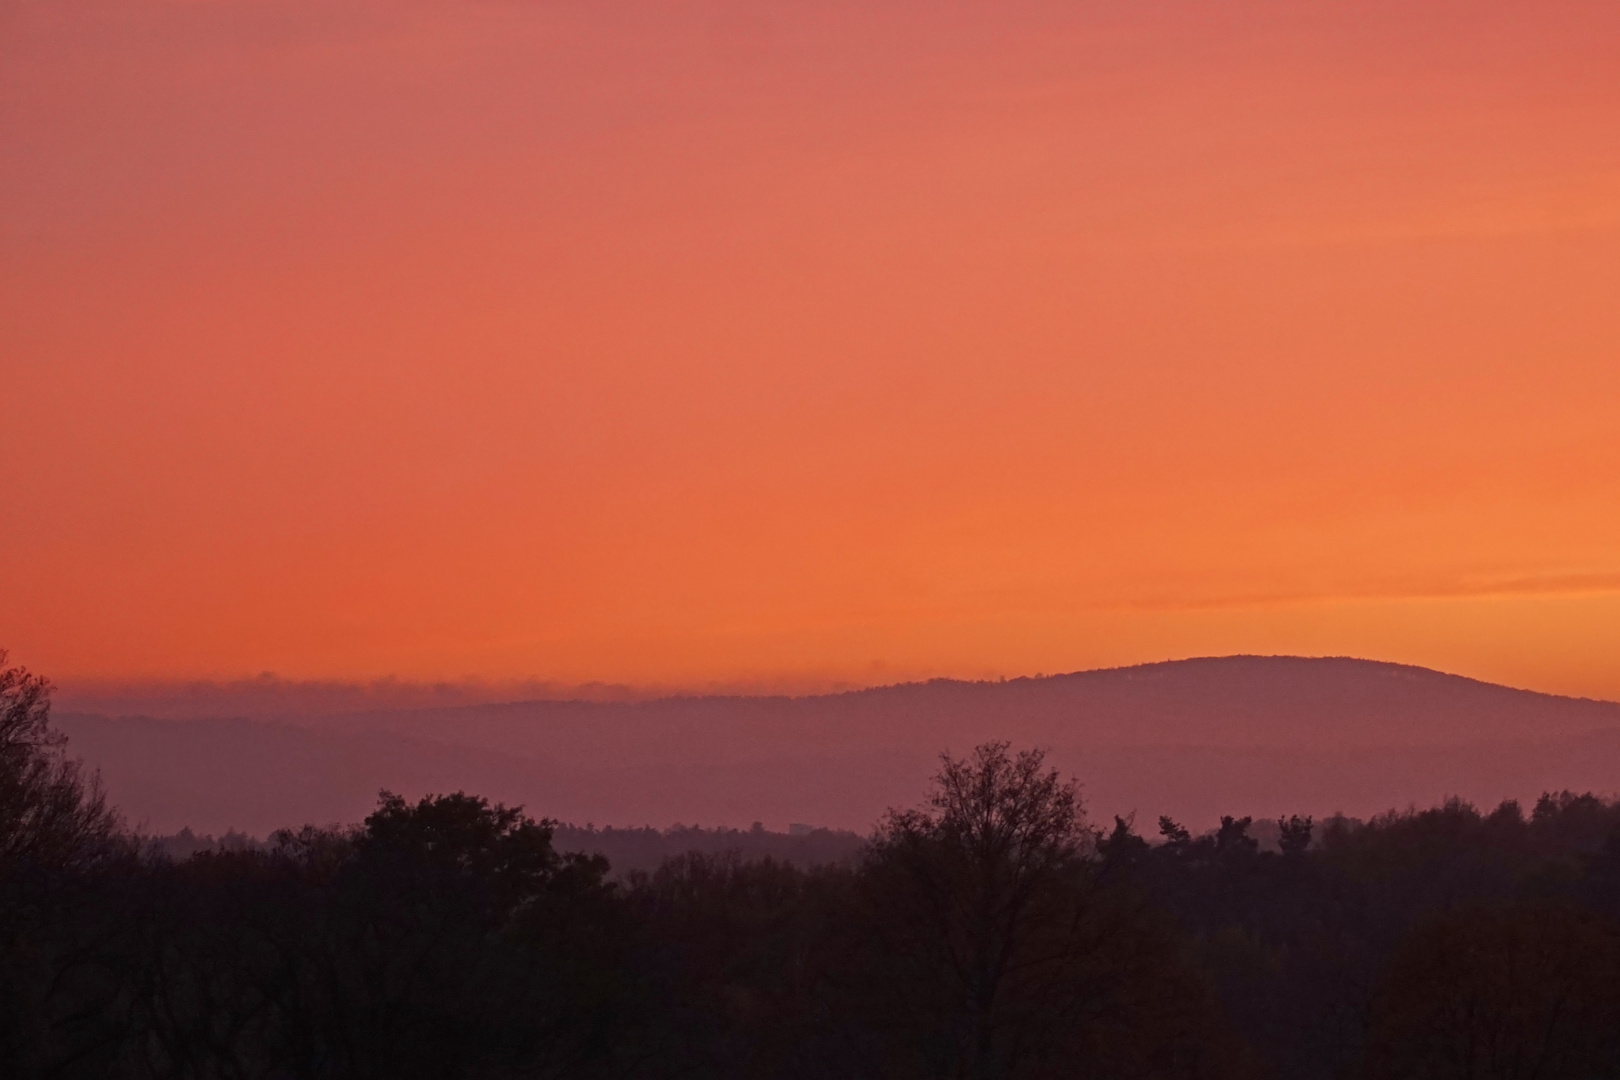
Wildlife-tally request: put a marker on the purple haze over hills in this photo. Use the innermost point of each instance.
(1192, 738)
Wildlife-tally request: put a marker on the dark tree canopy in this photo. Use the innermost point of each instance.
(991, 933)
(1515, 992)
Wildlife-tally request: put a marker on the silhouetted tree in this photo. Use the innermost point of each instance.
(51, 815)
(1174, 835)
(54, 824)
(1003, 955)
(1122, 850)
(1294, 834)
(1233, 839)
(455, 941)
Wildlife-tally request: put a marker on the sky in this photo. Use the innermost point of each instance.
(742, 343)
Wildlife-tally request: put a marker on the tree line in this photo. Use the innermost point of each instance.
(991, 933)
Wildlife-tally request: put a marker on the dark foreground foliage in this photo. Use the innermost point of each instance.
(990, 934)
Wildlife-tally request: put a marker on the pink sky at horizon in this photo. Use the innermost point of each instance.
(742, 342)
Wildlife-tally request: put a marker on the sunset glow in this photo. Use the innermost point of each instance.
(694, 344)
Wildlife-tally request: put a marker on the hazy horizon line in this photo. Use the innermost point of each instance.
(269, 693)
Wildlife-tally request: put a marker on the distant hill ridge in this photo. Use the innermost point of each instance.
(1193, 738)
(1217, 701)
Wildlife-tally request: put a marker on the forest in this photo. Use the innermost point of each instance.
(992, 932)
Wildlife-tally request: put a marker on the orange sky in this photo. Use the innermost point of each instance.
(697, 342)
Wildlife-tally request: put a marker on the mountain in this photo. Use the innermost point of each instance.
(1190, 738)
